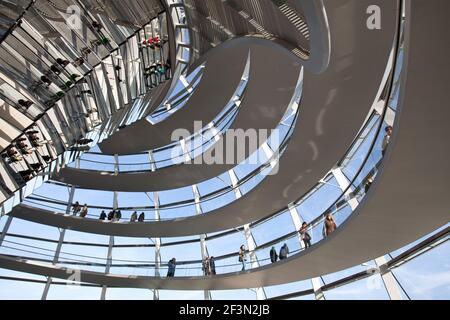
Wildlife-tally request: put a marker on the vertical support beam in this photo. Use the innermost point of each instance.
(117, 82)
(344, 183)
(108, 265)
(297, 221)
(390, 114)
(184, 148)
(62, 234)
(116, 164)
(203, 248)
(268, 150)
(157, 242)
(234, 182)
(152, 161)
(111, 238)
(214, 132)
(387, 277)
(389, 281)
(251, 245)
(157, 265)
(5, 229)
(78, 162)
(204, 252)
(317, 287)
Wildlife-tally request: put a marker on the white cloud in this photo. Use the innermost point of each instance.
(426, 285)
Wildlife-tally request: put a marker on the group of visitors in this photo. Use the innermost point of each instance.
(157, 73)
(51, 75)
(153, 41)
(116, 215)
(13, 155)
(22, 145)
(101, 40)
(209, 266)
(283, 254)
(21, 150)
(78, 209)
(33, 136)
(113, 215)
(328, 227)
(134, 217)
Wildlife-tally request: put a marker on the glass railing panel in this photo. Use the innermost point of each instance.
(163, 158)
(182, 252)
(173, 213)
(366, 289)
(178, 97)
(292, 243)
(29, 290)
(138, 162)
(123, 269)
(321, 199)
(70, 291)
(102, 198)
(45, 205)
(213, 203)
(352, 166)
(273, 228)
(13, 249)
(181, 194)
(89, 165)
(79, 264)
(29, 247)
(252, 163)
(233, 242)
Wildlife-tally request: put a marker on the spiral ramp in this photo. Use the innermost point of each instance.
(334, 76)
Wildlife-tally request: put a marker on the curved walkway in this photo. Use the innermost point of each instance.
(212, 94)
(387, 219)
(334, 106)
(273, 80)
